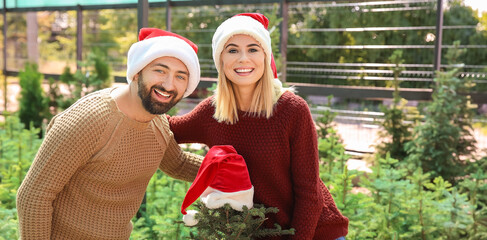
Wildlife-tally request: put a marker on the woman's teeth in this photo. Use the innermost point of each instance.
(243, 70)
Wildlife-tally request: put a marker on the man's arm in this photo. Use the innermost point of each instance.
(180, 164)
(69, 143)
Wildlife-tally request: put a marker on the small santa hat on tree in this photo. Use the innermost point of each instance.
(222, 178)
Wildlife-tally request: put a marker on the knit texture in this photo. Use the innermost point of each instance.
(90, 174)
(282, 158)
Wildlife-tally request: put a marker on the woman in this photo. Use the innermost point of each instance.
(269, 126)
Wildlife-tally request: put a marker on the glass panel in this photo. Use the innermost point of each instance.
(57, 3)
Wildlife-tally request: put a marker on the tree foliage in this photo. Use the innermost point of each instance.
(32, 102)
(93, 75)
(313, 17)
(396, 203)
(398, 118)
(393, 202)
(18, 147)
(227, 223)
(445, 140)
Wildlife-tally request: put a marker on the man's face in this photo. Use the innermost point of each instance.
(162, 84)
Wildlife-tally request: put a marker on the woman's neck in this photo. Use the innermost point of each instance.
(244, 97)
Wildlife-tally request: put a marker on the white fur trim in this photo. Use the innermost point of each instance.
(277, 83)
(144, 52)
(213, 198)
(189, 219)
(240, 25)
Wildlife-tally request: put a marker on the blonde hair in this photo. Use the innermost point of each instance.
(266, 94)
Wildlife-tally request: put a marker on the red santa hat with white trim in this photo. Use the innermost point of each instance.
(222, 178)
(155, 43)
(252, 24)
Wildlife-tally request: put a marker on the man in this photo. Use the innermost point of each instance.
(91, 172)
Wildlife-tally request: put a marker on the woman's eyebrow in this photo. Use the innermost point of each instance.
(231, 45)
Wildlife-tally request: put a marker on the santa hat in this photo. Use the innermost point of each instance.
(155, 43)
(222, 178)
(252, 24)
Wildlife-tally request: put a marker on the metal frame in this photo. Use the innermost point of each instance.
(284, 37)
(168, 15)
(142, 14)
(79, 36)
(142, 17)
(439, 35)
(4, 70)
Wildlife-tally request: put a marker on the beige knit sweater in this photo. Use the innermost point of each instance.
(91, 172)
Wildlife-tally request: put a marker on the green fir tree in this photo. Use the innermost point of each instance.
(226, 223)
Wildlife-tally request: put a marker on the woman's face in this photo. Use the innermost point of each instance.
(243, 60)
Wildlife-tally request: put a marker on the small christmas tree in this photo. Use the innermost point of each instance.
(226, 209)
(227, 223)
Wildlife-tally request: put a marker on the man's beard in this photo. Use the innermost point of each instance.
(155, 107)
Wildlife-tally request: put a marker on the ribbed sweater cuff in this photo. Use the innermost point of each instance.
(331, 232)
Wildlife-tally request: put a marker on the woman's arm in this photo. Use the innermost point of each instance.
(305, 172)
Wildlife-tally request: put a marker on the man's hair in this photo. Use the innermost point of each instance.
(266, 94)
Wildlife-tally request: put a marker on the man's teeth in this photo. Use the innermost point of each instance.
(161, 93)
(243, 70)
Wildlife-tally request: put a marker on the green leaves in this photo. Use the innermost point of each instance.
(162, 217)
(8, 224)
(398, 119)
(93, 75)
(32, 102)
(445, 137)
(18, 147)
(398, 200)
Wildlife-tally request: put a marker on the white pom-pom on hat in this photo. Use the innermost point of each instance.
(189, 219)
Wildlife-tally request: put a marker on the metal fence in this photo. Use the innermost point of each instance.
(359, 129)
(69, 24)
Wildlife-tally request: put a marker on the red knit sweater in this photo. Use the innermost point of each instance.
(282, 158)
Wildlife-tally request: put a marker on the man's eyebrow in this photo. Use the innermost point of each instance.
(183, 72)
(165, 66)
(160, 65)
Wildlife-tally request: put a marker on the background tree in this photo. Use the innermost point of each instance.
(444, 141)
(32, 102)
(398, 118)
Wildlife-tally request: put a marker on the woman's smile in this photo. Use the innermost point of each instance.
(244, 71)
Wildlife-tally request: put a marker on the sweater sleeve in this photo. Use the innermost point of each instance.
(180, 164)
(71, 140)
(305, 171)
(190, 128)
